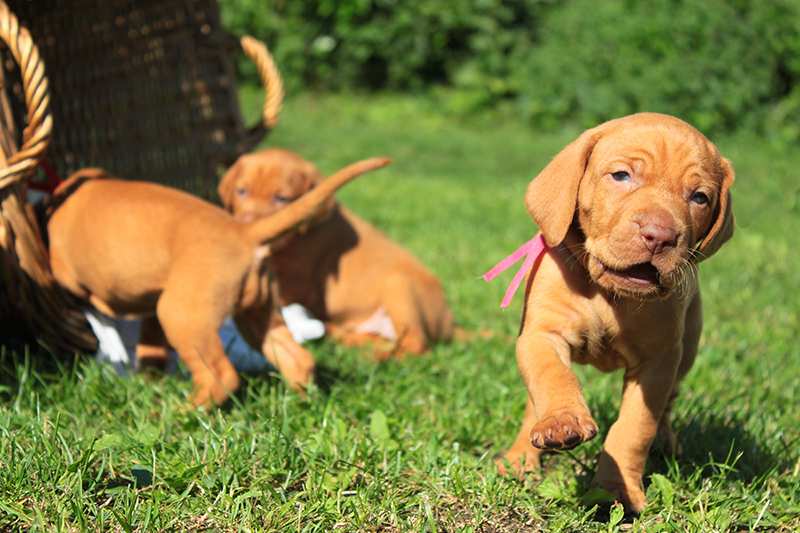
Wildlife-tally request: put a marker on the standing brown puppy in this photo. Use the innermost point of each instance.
(138, 249)
(347, 273)
(628, 210)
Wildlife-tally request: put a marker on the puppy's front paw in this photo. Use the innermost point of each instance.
(299, 375)
(216, 392)
(563, 430)
(201, 398)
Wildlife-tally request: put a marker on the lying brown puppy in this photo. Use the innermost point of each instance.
(137, 249)
(347, 273)
(628, 210)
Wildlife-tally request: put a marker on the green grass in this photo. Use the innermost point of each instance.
(409, 445)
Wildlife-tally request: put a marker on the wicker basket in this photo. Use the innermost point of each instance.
(144, 88)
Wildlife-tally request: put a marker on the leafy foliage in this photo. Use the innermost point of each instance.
(720, 64)
(385, 43)
(713, 62)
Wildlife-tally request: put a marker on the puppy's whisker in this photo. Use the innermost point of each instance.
(697, 254)
(577, 254)
(685, 276)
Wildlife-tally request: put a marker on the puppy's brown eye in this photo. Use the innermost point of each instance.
(700, 198)
(241, 191)
(621, 176)
(280, 199)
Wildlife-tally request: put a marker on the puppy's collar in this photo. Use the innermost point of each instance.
(532, 251)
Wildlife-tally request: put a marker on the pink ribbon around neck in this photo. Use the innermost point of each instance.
(531, 250)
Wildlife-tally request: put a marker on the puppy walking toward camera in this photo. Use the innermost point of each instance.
(627, 211)
(137, 249)
(364, 287)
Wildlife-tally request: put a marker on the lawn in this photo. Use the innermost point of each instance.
(408, 446)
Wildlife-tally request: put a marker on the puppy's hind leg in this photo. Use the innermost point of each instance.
(152, 350)
(191, 327)
(266, 330)
(404, 309)
(374, 344)
(522, 457)
(295, 363)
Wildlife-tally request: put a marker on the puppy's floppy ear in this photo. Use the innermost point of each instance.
(722, 227)
(227, 185)
(552, 196)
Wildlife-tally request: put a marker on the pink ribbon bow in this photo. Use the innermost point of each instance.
(532, 250)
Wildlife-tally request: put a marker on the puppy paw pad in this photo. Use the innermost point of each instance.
(563, 431)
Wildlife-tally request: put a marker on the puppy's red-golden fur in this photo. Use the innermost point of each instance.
(628, 209)
(141, 249)
(361, 284)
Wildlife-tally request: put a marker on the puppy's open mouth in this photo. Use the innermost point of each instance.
(641, 274)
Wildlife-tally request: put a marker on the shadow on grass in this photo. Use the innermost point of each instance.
(712, 444)
(328, 376)
(325, 378)
(140, 477)
(21, 358)
(709, 440)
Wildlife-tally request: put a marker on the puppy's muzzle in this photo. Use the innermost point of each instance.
(644, 255)
(658, 232)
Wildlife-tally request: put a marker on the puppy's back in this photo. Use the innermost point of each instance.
(108, 230)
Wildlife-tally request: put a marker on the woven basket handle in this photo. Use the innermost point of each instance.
(36, 137)
(270, 78)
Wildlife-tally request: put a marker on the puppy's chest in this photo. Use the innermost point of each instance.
(599, 346)
(610, 338)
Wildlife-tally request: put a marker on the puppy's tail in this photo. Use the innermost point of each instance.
(70, 185)
(308, 205)
(77, 178)
(270, 78)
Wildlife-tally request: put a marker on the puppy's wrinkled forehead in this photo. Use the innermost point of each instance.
(670, 152)
(276, 169)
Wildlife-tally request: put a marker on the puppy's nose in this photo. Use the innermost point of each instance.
(657, 237)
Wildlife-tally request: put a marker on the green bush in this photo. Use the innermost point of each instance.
(717, 63)
(391, 44)
(721, 64)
